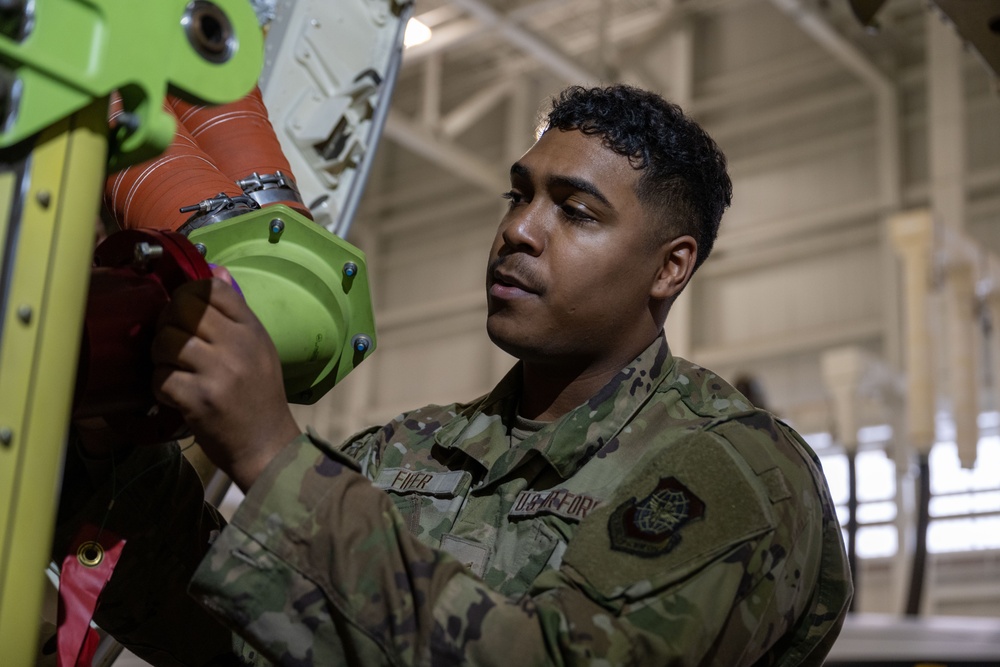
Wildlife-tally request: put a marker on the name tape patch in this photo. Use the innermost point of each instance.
(568, 505)
(402, 480)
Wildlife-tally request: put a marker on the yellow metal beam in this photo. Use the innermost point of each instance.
(50, 191)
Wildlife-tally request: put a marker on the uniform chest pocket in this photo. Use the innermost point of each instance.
(429, 501)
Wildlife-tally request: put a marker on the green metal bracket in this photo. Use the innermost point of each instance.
(56, 56)
(308, 287)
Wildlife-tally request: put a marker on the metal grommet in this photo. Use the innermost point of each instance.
(90, 554)
(209, 31)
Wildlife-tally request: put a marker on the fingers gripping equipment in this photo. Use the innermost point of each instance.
(134, 275)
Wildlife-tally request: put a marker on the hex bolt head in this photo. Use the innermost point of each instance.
(145, 252)
(350, 269)
(24, 313)
(202, 250)
(6, 435)
(44, 198)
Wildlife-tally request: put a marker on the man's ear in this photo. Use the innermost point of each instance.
(678, 258)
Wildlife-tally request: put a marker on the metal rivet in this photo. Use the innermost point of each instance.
(277, 226)
(44, 198)
(6, 435)
(361, 343)
(350, 269)
(24, 313)
(202, 250)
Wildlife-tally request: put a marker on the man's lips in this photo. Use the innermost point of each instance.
(507, 283)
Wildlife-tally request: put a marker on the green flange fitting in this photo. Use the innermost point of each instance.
(294, 281)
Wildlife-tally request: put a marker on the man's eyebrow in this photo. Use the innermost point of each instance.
(518, 169)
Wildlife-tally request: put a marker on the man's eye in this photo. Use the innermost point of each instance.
(513, 197)
(575, 213)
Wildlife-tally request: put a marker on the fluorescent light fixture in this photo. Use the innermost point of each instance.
(416, 33)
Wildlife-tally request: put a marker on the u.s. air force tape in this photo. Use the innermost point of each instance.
(561, 502)
(402, 480)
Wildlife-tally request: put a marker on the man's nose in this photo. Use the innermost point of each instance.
(524, 229)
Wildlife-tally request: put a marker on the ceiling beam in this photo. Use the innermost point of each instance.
(546, 54)
(444, 153)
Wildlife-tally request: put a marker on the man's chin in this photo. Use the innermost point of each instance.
(506, 335)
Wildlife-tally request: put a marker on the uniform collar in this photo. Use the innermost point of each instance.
(481, 431)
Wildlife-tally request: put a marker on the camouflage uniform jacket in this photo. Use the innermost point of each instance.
(664, 522)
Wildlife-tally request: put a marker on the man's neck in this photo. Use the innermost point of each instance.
(549, 391)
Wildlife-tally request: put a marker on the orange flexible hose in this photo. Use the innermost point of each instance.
(239, 137)
(213, 147)
(150, 194)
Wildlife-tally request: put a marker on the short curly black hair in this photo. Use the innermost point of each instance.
(684, 172)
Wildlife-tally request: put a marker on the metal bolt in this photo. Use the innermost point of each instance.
(44, 198)
(277, 226)
(24, 313)
(6, 435)
(350, 269)
(202, 250)
(361, 343)
(145, 252)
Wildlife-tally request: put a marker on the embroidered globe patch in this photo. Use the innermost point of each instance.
(649, 527)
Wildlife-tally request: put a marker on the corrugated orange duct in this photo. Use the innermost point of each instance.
(213, 148)
(150, 194)
(239, 137)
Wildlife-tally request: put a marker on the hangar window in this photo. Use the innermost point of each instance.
(964, 507)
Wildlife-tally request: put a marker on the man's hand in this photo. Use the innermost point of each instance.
(216, 364)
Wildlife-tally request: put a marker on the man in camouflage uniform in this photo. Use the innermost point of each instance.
(605, 504)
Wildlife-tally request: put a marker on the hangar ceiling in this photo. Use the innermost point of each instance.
(483, 52)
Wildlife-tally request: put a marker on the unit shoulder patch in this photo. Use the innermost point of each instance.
(650, 527)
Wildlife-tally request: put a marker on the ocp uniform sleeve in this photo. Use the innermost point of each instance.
(317, 568)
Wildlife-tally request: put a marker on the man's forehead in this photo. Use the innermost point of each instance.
(571, 155)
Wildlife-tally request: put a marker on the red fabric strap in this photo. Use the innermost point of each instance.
(85, 571)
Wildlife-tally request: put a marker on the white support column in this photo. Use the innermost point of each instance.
(946, 141)
(963, 357)
(945, 123)
(911, 234)
(843, 370)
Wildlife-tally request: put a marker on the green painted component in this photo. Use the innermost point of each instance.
(79, 50)
(293, 277)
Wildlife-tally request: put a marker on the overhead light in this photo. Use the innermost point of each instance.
(416, 33)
